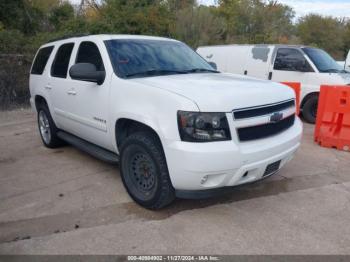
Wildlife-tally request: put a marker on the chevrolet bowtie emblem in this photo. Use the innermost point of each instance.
(276, 117)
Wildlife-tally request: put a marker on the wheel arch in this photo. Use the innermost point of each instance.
(124, 127)
(40, 100)
(307, 97)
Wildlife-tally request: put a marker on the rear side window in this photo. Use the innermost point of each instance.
(89, 53)
(41, 60)
(60, 65)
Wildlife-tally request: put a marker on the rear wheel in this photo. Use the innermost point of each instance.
(47, 128)
(144, 171)
(310, 109)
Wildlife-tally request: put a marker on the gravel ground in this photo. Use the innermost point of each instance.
(63, 201)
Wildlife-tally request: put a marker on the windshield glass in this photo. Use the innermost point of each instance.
(323, 61)
(142, 58)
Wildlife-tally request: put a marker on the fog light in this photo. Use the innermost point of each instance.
(204, 179)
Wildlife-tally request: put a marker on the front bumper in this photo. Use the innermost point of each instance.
(214, 192)
(204, 166)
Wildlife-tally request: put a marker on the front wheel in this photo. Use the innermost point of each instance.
(310, 109)
(144, 171)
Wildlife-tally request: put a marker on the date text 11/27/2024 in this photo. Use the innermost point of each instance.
(173, 258)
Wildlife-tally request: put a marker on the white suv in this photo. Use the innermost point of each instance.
(175, 125)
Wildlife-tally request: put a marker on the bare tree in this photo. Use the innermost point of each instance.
(81, 7)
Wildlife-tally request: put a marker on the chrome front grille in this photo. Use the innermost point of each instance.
(262, 110)
(264, 121)
(266, 130)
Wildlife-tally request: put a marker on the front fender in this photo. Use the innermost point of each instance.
(155, 107)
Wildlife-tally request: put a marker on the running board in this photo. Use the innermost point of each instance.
(89, 148)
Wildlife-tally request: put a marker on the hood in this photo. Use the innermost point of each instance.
(330, 78)
(342, 78)
(221, 92)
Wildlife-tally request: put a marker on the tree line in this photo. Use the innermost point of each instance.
(26, 24)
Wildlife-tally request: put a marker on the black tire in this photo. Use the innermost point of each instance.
(144, 171)
(53, 141)
(310, 109)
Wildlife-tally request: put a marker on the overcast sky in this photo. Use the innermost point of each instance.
(339, 8)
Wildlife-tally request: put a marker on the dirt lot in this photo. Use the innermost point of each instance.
(65, 202)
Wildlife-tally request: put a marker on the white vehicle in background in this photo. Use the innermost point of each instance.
(345, 64)
(312, 67)
(341, 63)
(176, 126)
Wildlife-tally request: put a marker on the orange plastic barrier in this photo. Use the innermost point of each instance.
(333, 117)
(296, 87)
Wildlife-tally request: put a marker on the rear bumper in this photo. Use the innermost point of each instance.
(204, 166)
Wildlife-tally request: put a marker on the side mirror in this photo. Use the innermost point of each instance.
(213, 65)
(87, 72)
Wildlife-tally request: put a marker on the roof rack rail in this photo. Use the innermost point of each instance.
(67, 37)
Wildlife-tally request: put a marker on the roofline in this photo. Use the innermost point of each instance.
(66, 37)
(73, 36)
(259, 45)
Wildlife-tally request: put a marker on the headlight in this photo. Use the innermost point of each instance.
(203, 127)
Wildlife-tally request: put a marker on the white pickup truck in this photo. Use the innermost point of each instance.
(176, 126)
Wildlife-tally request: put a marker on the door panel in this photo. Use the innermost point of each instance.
(57, 86)
(290, 65)
(88, 106)
(258, 60)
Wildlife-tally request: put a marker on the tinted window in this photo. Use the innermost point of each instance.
(289, 59)
(141, 58)
(41, 60)
(60, 65)
(89, 53)
(322, 60)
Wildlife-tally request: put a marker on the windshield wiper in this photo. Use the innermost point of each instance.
(155, 72)
(201, 70)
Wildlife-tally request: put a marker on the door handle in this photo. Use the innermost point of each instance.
(270, 75)
(48, 87)
(71, 92)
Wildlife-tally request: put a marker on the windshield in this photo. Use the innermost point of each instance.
(323, 61)
(142, 58)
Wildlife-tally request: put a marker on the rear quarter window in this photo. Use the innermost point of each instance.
(41, 60)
